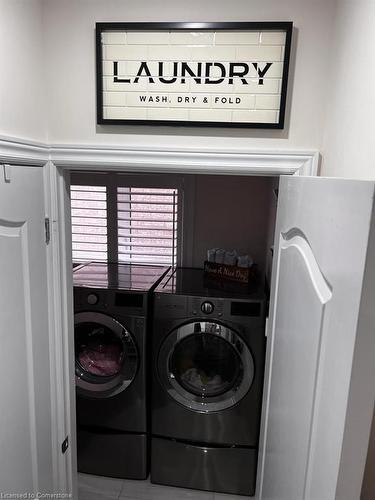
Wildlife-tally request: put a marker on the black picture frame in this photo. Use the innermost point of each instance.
(286, 26)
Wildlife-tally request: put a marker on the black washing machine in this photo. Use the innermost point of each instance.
(208, 364)
(111, 307)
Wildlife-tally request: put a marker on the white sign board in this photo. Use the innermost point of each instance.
(218, 74)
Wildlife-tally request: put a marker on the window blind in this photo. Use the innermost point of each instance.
(147, 225)
(89, 223)
(129, 224)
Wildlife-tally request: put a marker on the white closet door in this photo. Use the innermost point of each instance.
(25, 415)
(321, 240)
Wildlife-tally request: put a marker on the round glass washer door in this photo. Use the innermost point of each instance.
(205, 366)
(106, 357)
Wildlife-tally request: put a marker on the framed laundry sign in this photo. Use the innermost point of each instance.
(205, 74)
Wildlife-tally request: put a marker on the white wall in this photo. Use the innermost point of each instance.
(22, 88)
(331, 101)
(70, 45)
(349, 136)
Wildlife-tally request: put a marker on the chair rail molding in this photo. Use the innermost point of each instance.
(234, 161)
(23, 152)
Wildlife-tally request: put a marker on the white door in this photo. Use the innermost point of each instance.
(25, 416)
(321, 240)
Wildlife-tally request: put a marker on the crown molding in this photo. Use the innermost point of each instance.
(188, 161)
(173, 160)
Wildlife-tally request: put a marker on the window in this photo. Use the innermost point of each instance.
(130, 219)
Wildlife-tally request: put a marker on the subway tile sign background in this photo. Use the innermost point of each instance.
(215, 74)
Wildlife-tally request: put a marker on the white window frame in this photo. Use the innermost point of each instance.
(185, 211)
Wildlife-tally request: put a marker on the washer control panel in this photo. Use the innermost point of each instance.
(92, 299)
(207, 307)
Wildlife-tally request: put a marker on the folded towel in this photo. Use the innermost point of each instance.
(211, 254)
(230, 258)
(219, 256)
(245, 261)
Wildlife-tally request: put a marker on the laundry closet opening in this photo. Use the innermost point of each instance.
(170, 219)
(154, 346)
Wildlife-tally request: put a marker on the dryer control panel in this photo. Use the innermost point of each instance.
(199, 305)
(220, 307)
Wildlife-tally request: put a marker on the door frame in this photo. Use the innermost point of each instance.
(65, 160)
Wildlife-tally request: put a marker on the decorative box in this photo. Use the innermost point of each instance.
(223, 272)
